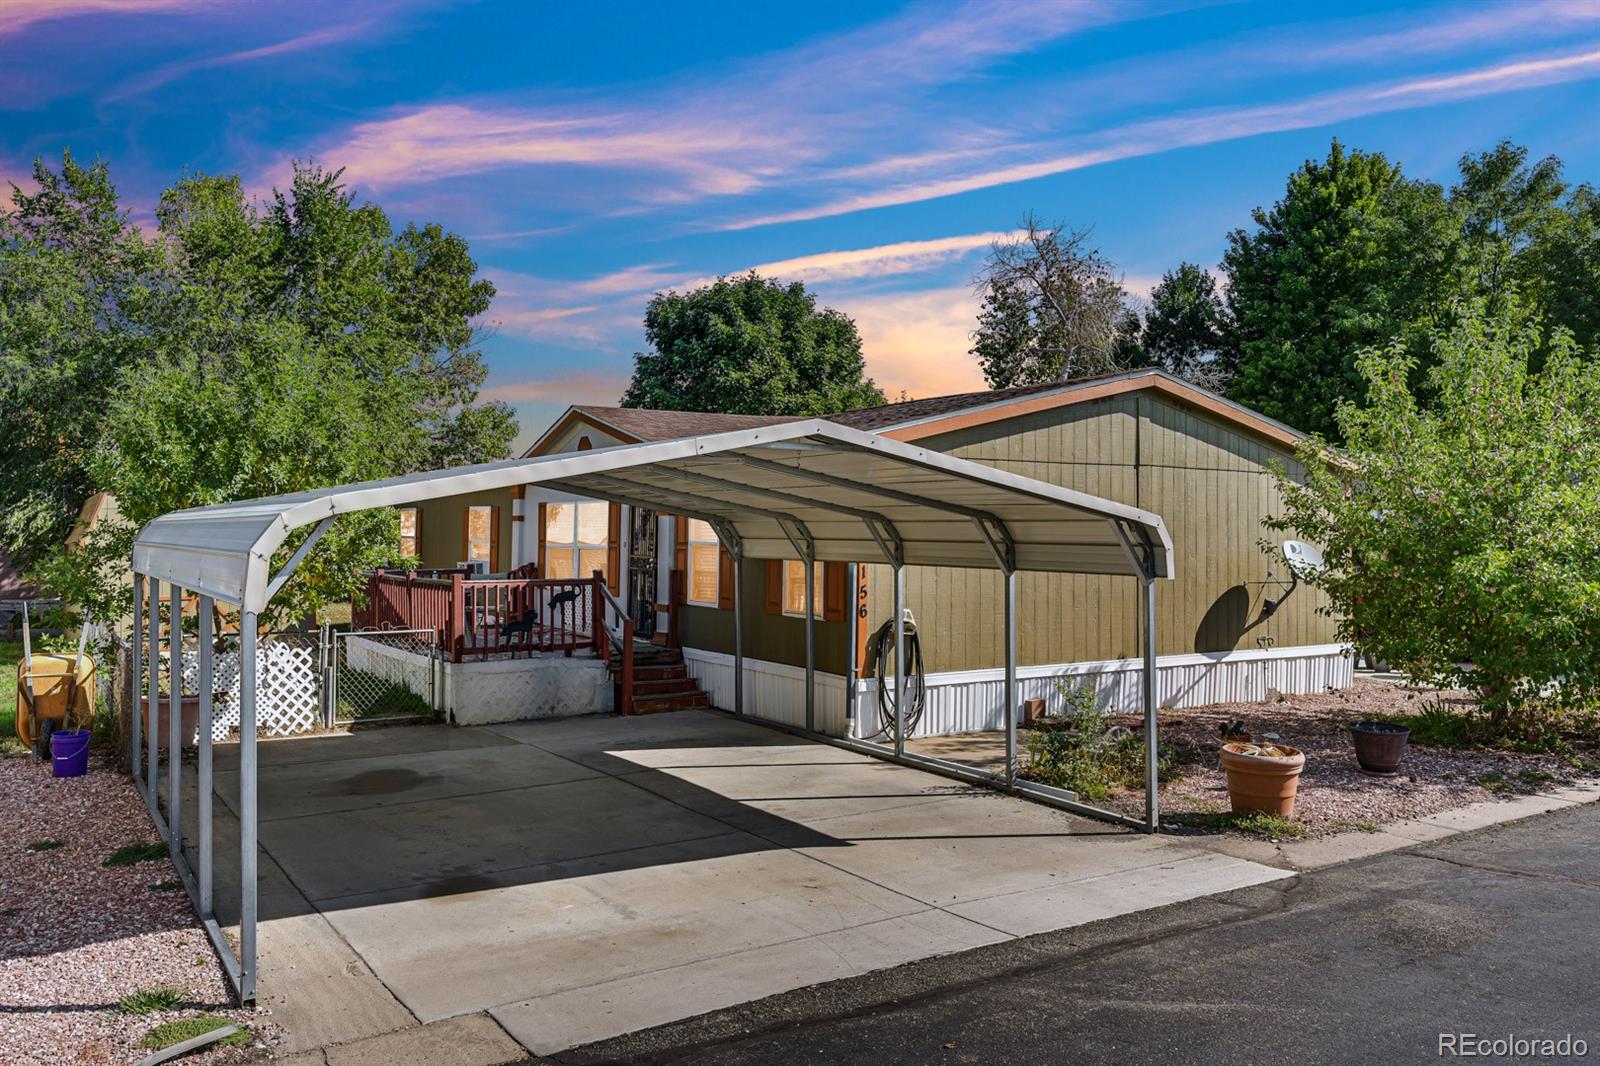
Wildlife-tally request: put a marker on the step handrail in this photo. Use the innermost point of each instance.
(624, 694)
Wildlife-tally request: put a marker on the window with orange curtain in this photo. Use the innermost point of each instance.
(575, 539)
(794, 588)
(704, 565)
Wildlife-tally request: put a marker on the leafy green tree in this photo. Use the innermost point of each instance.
(1354, 255)
(1460, 533)
(1184, 327)
(748, 345)
(74, 280)
(1053, 308)
(282, 349)
(1504, 204)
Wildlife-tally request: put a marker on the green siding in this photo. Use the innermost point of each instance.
(772, 637)
(444, 525)
(1207, 481)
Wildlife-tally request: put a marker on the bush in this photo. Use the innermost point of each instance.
(1458, 520)
(1084, 752)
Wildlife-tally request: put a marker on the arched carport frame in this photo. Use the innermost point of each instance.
(810, 490)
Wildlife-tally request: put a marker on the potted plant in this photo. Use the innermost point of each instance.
(1379, 746)
(1262, 777)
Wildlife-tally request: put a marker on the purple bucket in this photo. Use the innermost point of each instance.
(69, 753)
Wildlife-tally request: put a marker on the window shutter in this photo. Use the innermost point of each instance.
(494, 539)
(774, 586)
(614, 548)
(543, 518)
(680, 555)
(834, 593)
(724, 579)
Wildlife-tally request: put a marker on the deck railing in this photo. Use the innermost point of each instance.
(496, 616)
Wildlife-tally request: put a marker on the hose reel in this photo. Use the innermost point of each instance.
(880, 647)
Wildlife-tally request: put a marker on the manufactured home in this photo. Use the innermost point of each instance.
(1233, 625)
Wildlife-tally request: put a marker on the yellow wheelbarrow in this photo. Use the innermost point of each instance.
(54, 692)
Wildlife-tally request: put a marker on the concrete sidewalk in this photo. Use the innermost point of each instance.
(574, 880)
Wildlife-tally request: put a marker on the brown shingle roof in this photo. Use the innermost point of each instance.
(668, 425)
(665, 425)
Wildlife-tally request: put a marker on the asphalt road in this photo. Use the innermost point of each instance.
(1495, 933)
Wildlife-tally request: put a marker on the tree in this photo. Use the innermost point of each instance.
(74, 277)
(1053, 308)
(748, 345)
(1460, 533)
(1503, 204)
(1354, 255)
(1184, 328)
(278, 350)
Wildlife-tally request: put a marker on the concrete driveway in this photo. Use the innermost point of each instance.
(582, 878)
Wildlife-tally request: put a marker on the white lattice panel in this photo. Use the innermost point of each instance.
(288, 686)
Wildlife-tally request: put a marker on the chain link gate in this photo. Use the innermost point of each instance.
(380, 675)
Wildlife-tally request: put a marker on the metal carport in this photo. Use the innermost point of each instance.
(808, 490)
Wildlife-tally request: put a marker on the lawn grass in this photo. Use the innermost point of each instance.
(10, 656)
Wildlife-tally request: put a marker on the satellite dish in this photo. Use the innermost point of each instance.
(1304, 559)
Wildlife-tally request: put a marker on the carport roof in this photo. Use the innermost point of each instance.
(856, 496)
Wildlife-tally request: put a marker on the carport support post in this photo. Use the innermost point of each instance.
(811, 636)
(175, 720)
(1011, 677)
(202, 811)
(247, 806)
(136, 749)
(1152, 777)
(152, 774)
(737, 551)
(899, 659)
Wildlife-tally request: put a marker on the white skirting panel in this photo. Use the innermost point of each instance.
(970, 701)
(773, 691)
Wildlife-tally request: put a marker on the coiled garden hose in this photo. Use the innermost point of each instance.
(879, 650)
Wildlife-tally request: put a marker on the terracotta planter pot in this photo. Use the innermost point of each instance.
(1379, 745)
(189, 720)
(1265, 783)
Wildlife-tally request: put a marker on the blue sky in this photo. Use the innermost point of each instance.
(594, 154)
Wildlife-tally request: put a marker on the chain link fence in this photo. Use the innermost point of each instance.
(380, 675)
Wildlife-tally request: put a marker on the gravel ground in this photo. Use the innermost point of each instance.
(77, 936)
(1334, 794)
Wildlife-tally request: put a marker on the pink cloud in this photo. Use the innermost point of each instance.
(576, 388)
(173, 71)
(1162, 135)
(918, 341)
(18, 15)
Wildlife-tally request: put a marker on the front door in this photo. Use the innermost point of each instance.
(642, 572)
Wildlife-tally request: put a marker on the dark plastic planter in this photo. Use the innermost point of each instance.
(1379, 745)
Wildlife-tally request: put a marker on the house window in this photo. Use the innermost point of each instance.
(410, 532)
(704, 564)
(575, 539)
(794, 588)
(481, 535)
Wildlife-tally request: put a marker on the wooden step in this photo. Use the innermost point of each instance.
(677, 701)
(663, 686)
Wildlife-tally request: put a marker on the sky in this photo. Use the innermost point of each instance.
(593, 155)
